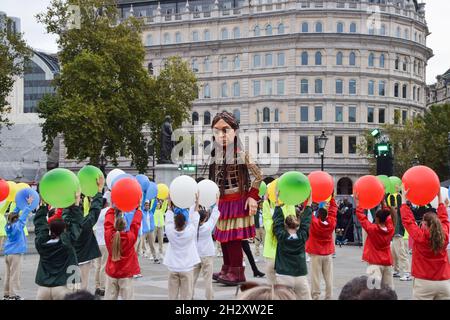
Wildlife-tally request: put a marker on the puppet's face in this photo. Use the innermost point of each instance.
(223, 133)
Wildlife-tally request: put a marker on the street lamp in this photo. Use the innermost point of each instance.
(322, 140)
(448, 140)
(151, 151)
(103, 163)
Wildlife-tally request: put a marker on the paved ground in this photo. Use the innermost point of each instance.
(153, 284)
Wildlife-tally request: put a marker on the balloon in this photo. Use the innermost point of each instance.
(322, 185)
(112, 175)
(444, 196)
(370, 191)
(262, 189)
(294, 188)
(21, 186)
(163, 191)
(152, 191)
(388, 188)
(12, 191)
(4, 190)
(126, 194)
(22, 196)
(58, 187)
(422, 183)
(396, 182)
(88, 176)
(207, 193)
(144, 181)
(120, 177)
(182, 191)
(271, 190)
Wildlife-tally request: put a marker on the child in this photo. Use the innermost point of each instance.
(259, 226)
(290, 261)
(430, 266)
(122, 262)
(57, 257)
(100, 262)
(148, 221)
(159, 224)
(182, 255)
(15, 248)
(320, 247)
(206, 250)
(377, 247)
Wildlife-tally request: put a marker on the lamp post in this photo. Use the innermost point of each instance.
(103, 163)
(151, 151)
(322, 140)
(448, 140)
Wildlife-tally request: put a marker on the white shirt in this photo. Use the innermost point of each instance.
(100, 227)
(181, 254)
(205, 243)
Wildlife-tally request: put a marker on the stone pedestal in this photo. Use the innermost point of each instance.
(165, 173)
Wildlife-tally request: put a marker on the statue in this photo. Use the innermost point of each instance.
(166, 141)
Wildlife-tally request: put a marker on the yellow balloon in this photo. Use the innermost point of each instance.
(329, 199)
(271, 191)
(163, 191)
(12, 191)
(21, 186)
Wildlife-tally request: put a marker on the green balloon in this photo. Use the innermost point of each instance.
(262, 189)
(388, 187)
(58, 187)
(294, 188)
(396, 181)
(88, 180)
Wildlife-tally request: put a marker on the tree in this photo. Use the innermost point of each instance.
(13, 55)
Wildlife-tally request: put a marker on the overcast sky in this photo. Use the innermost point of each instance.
(437, 14)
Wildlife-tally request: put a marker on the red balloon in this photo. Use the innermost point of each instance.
(322, 185)
(423, 185)
(4, 190)
(126, 194)
(370, 191)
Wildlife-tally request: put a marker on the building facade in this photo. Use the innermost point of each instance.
(439, 93)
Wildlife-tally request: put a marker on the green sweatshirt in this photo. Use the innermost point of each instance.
(290, 258)
(86, 246)
(270, 242)
(57, 258)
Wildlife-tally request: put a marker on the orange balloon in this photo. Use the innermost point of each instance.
(322, 185)
(370, 191)
(423, 185)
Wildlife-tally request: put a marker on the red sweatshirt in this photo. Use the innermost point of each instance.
(377, 248)
(425, 264)
(128, 265)
(320, 241)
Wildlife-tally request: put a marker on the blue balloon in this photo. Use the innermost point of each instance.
(323, 204)
(152, 191)
(125, 175)
(21, 199)
(143, 181)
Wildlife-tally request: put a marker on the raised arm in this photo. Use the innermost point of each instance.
(278, 223)
(109, 226)
(94, 211)
(215, 213)
(41, 229)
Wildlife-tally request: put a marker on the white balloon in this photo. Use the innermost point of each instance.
(444, 195)
(207, 191)
(112, 175)
(182, 191)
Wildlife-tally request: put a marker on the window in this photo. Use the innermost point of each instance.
(382, 60)
(406, 34)
(404, 91)
(236, 89)
(304, 111)
(150, 68)
(304, 86)
(370, 115)
(206, 35)
(372, 29)
(149, 40)
(207, 118)
(268, 30)
(257, 31)
(339, 58)
(352, 59)
(404, 116)
(338, 145)
(256, 61)
(224, 64)
(224, 34)
(256, 88)
(383, 30)
(304, 58)
(305, 27)
(277, 115)
(319, 27)
(381, 116)
(353, 27)
(371, 60)
(268, 85)
(396, 116)
(195, 36)
(318, 86)
(206, 65)
(266, 145)
(303, 144)
(352, 145)
(280, 59)
(405, 65)
(266, 114)
(351, 114)
(399, 32)
(268, 59)
(339, 86)
(281, 28)
(414, 93)
(397, 63)
(166, 38)
(194, 118)
(237, 115)
(236, 33)
(382, 88)
(280, 87)
(224, 90)
(177, 37)
(206, 147)
(339, 114)
(194, 65)
(257, 120)
(396, 90)
(237, 63)
(352, 87)
(317, 114)
(371, 89)
(318, 58)
(340, 27)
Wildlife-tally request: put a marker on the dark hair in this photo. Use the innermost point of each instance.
(203, 213)
(322, 213)
(51, 213)
(357, 289)
(13, 217)
(80, 295)
(104, 202)
(382, 215)
(437, 234)
(180, 221)
(57, 226)
(292, 222)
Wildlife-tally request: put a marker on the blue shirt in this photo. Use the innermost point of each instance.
(16, 241)
(148, 218)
